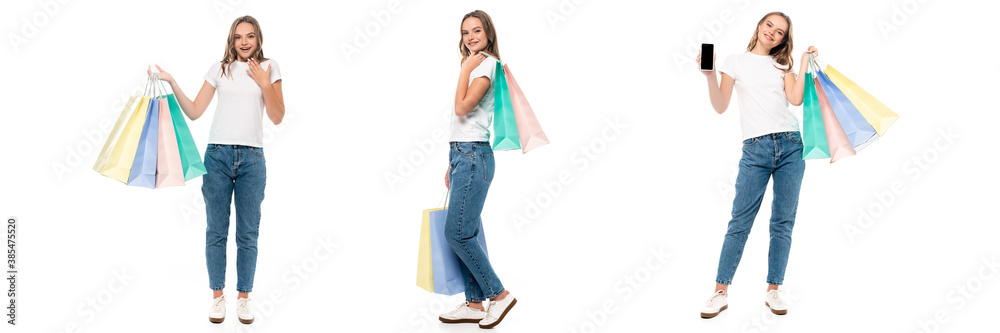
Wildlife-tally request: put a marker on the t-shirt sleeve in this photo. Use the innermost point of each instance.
(486, 68)
(729, 67)
(785, 73)
(212, 76)
(275, 71)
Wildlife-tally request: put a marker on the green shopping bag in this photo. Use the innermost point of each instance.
(813, 134)
(190, 157)
(504, 125)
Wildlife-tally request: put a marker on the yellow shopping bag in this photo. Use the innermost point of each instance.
(876, 113)
(102, 158)
(119, 162)
(425, 270)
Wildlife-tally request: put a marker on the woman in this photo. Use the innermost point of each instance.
(470, 172)
(248, 85)
(772, 147)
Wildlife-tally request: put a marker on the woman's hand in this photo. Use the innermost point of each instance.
(163, 75)
(795, 86)
(261, 76)
(472, 62)
(805, 55)
(447, 184)
(698, 60)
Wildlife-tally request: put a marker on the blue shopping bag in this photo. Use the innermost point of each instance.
(143, 171)
(448, 276)
(858, 131)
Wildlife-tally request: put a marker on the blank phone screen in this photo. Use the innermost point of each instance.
(707, 57)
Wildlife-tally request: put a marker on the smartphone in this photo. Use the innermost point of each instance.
(707, 57)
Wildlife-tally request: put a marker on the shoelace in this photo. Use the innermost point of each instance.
(773, 299)
(489, 308)
(711, 301)
(218, 302)
(462, 307)
(243, 305)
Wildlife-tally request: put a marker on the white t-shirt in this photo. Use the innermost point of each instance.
(240, 112)
(475, 126)
(761, 90)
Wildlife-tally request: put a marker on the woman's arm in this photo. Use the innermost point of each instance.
(468, 96)
(794, 87)
(273, 101)
(719, 94)
(193, 109)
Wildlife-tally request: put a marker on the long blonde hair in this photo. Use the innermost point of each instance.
(782, 53)
(491, 35)
(230, 55)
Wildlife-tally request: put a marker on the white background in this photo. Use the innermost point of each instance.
(660, 180)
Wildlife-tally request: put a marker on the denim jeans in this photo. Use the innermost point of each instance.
(777, 155)
(233, 170)
(471, 173)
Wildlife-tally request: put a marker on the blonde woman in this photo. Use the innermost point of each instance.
(470, 172)
(772, 149)
(249, 87)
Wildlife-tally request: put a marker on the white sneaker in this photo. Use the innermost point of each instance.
(243, 310)
(715, 305)
(497, 310)
(217, 313)
(773, 300)
(462, 314)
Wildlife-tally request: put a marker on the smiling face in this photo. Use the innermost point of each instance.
(473, 35)
(244, 41)
(771, 32)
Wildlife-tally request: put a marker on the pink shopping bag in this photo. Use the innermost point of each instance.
(528, 129)
(168, 157)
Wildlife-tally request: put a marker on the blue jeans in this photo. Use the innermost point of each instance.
(471, 173)
(777, 155)
(233, 170)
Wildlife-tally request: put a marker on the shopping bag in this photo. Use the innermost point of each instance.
(116, 131)
(813, 132)
(143, 172)
(529, 130)
(836, 140)
(119, 165)
(858, 131)
(874, 112)
(190, 157)
(449, 278)
(150, 144)
(168, 158)
(505, 135)
(425, 270)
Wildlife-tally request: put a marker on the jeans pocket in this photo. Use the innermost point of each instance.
(795, 137)
(465, 149)
(750, 142)
(259, 152)
(212, 147)
(489, 167)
